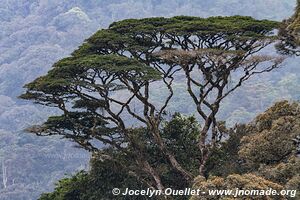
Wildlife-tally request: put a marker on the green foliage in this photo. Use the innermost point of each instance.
(95, 185)
(181, 137)
(195, 25)
(179, 133)
(268, 141)
(230, 166)
(290, 33)
(282, 172)
(225, 159)
(260, 155)
(233, 181)
(56, 29)
(67, 188)
(75, 70)
(139, 35)
(133, 56)
(272, 142)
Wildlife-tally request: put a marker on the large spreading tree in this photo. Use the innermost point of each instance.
(260, 155)
(105, 90)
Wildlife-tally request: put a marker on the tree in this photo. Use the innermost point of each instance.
(179, 134)
(289, 33)
(273, 139)
(236, 181)
(231, 165)
(267, 148)
(104, 89)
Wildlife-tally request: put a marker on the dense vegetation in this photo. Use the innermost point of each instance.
(212, 56)
(257, 155)
(36, 33)
(290, 33)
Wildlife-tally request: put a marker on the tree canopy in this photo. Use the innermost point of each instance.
(259, 155)
(239, 162)
(36, 33)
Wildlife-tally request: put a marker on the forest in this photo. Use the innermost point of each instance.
(201, 96)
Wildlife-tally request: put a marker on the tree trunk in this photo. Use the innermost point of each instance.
(171, 158)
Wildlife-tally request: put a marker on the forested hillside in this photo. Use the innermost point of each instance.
(35, 34)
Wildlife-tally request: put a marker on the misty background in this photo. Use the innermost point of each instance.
(34, 34)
